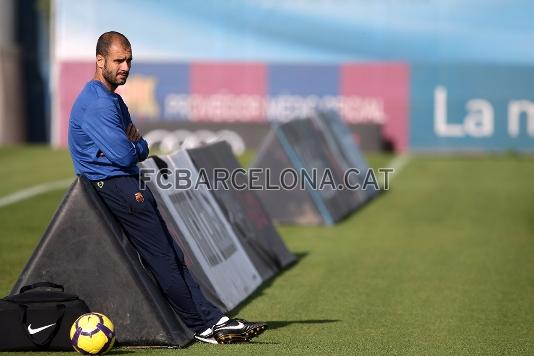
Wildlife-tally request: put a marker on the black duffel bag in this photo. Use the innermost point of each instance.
(39, 318)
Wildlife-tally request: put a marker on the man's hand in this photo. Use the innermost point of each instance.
(133, 133)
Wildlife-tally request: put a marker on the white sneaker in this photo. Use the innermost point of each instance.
(206, 336)
(237, 330)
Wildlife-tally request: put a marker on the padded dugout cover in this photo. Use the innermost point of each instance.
(214, 249)
(191, 262)
(339, 138)
(244, 211)
(298, 144)
(290, 206)
(85, 250)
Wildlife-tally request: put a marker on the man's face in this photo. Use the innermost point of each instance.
(117, 64)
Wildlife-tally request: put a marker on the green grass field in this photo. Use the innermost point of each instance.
(443, 263)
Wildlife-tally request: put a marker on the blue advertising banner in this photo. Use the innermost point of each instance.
(472, 107)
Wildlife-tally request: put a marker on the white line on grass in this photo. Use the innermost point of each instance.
(34, 191)
(398, 163)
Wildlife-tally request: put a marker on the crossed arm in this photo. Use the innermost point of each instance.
(122, 147)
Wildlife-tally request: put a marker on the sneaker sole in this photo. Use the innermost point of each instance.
(231, 338)
(205, 340)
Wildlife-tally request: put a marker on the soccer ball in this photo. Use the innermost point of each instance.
(92, 334)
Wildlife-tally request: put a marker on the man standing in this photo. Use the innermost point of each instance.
(105, 147)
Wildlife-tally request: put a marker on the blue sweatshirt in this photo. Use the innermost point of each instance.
(98, 143)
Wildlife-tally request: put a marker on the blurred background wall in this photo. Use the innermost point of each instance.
(11, 115)
(33, 36)
(24, 71)
(411, 75)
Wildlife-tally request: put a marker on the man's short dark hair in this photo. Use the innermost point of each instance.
(106, 40)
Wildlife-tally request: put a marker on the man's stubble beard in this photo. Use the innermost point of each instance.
(112, 77)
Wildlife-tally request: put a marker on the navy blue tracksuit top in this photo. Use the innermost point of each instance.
(98, 143)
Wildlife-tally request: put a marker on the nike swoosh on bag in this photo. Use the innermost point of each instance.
(35, 331)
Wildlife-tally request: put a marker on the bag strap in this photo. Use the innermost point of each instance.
(41, 285)
(60, 312)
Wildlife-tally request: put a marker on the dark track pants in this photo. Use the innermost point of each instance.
(147, 231)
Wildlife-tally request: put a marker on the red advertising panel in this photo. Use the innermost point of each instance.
(377, 93)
